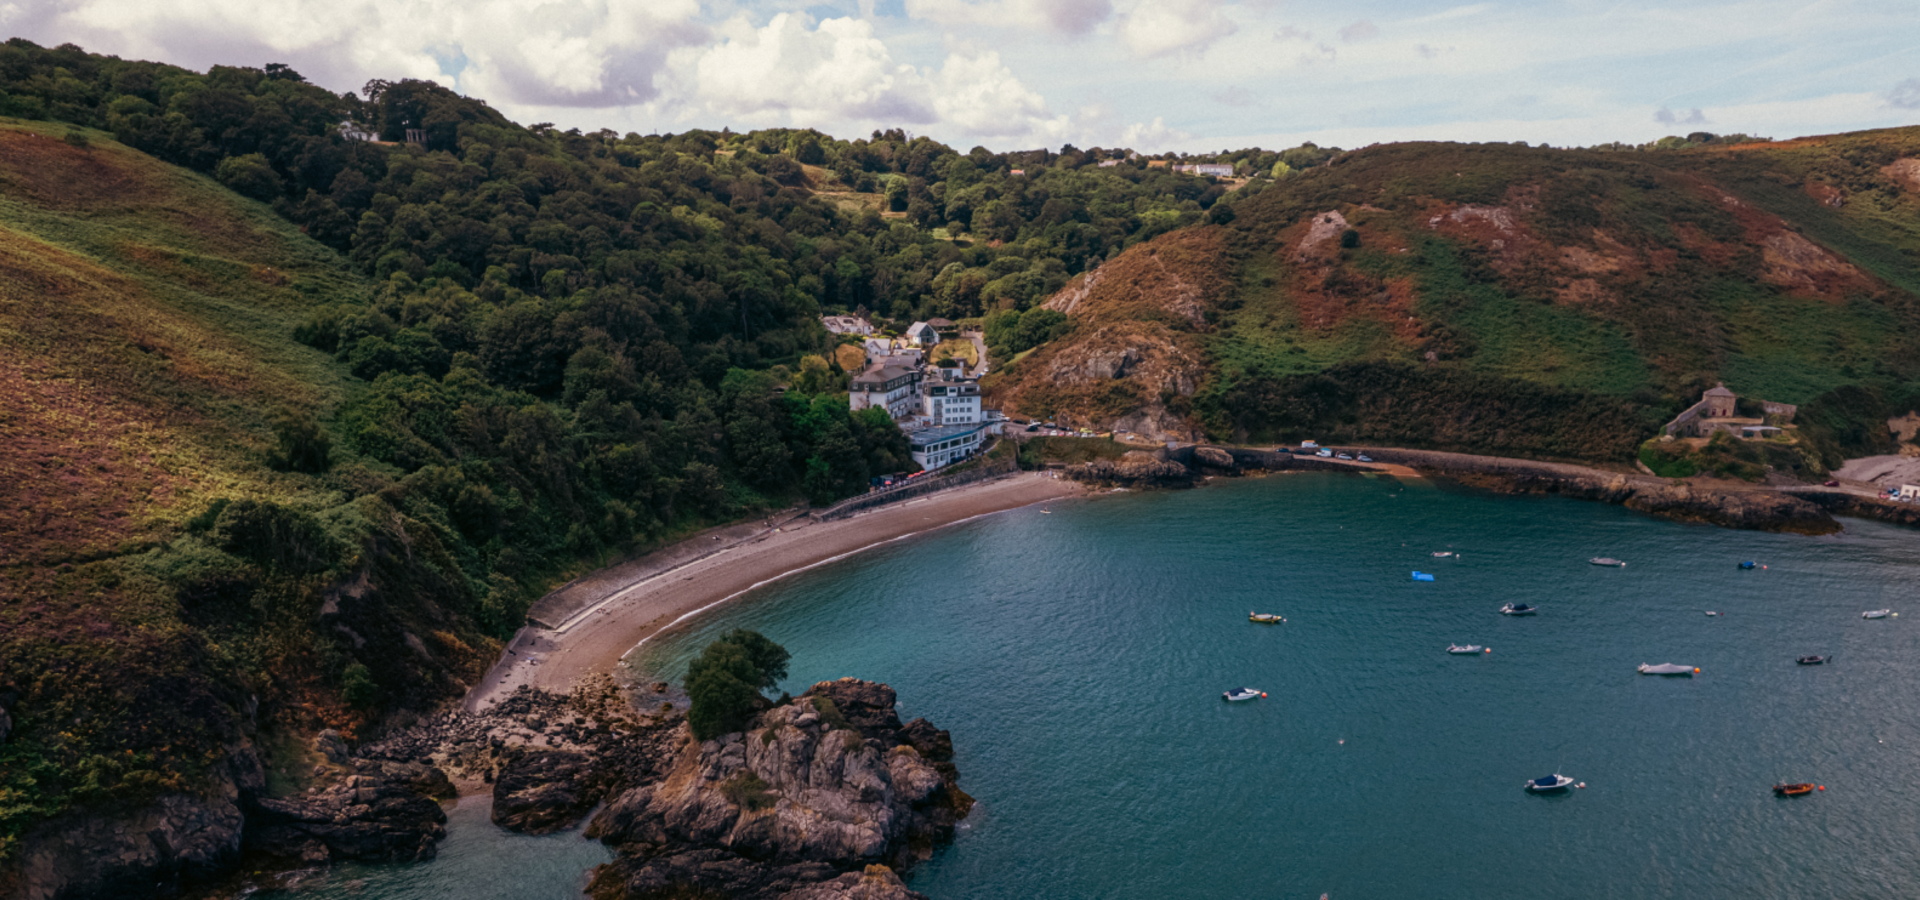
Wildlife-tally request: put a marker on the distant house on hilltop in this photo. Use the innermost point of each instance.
(1718, 410)
(1217, 170)
(847, 325)
(923, 334)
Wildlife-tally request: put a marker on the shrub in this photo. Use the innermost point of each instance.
(78, 138)
(303, 445)
(830, 713)
(357, 687)
(748, 791)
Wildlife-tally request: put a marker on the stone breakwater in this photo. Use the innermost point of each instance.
(822, 798)
(1798, 510)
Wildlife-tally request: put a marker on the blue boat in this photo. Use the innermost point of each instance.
(1747, 565)
(1422, 576)
(1549, 784)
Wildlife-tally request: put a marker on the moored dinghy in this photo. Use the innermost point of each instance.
(1549, 784)
(1607, 561)
(1666, 669)
(1796, 789)
(1238, 694)
(1265, 618)
(1811, 660)
(1519, 609)
(1878, 614)
(1467, 649)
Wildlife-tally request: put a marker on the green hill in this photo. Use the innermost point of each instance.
(1512, 299)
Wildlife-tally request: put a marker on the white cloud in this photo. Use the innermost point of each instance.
(1693, 116)
(1152, 138)
(838, 72)
(1905, 95)
(1071, 17)
(1167, 27)
(560, 53)
(1359, 31)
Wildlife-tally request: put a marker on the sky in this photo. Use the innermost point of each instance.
(1151, 75)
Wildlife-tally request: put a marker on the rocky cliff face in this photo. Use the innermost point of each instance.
(147, 852)
(385, 811)
(828, 784)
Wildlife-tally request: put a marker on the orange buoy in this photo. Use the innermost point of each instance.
(1695, 668)
(1823, 787)
(1263, 693)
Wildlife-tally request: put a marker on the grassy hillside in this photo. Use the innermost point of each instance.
(146, 353)
(1514, 299)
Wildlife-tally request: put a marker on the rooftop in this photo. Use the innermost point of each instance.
(882, 374)
(1718, 390)
(935, 435)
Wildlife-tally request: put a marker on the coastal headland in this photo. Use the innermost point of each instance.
(621, 614)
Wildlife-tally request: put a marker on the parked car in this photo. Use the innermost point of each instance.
(1324, 452)
(1309, 445)
(1365, 458)
(1831, 484)
(1344, 456)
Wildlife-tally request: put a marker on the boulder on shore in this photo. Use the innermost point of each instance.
(386, 811)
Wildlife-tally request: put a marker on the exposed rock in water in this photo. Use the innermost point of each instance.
(876, 883)
(826, 785)
(542, 792)
(387, 811)
(147, 852)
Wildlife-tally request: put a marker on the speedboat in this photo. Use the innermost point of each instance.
(1267, 618)
(1797, 789)
(1712, 613)
(1878, 614)
(1466, 649)
(1422, 576)
(1442, 554)
(1811, 660)
(1607, 561)
(1549, 784)
(1519, 609)
(1747, 565)
(1667, 669)
(1238, 694)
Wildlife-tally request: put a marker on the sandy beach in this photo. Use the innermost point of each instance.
(595, 639)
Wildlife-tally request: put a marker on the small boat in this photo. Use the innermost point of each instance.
(1422, 576)
(1878, 614)
(1238, 694)
(1712, 613)
(1747, 565)
(1549, 784)
(1266, 618)
(1797, 789)
(1466, 649)
(1667, 669)
(1519, 609)
(1607, 561)
(1442, 554)
(1811, 660)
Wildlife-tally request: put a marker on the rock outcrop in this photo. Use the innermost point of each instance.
(385, 811)
(148, 852)
(542, 792)
(825, 785)
(1137, 468)
(876, 883)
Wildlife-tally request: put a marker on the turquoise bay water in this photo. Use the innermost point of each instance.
(1078, 657)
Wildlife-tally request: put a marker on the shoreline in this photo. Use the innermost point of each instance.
(622, 615)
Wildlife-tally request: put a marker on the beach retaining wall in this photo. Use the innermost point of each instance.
(919, 487)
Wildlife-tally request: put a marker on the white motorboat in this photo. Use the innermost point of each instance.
(1667, 669)
(1549, 784)
(1878, 614)
(1442, 554)
(1466, 649)
(1238, 694)
(1607, 561)
(1266, 618)
(1519, 609)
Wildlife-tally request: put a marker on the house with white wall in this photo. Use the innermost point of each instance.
(950, 403)
(892, 388)
(945, 445)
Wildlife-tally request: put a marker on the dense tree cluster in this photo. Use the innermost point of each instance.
(725, 681)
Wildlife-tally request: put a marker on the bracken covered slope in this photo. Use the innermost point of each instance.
(1503, 298)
